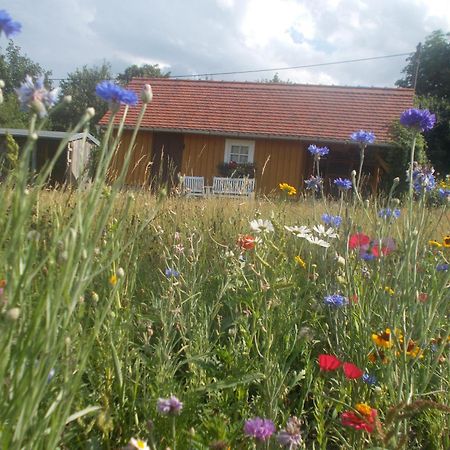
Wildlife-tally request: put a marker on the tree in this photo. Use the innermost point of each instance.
(14, 66)
(428, 70)
(144, 71)
(81, 84)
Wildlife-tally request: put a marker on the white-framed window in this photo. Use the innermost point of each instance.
(239, 151)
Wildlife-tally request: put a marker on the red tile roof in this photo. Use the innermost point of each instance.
(267, 109)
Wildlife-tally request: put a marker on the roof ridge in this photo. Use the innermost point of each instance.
(268, 84)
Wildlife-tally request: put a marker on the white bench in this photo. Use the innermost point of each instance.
(192, 186)
(233, 187)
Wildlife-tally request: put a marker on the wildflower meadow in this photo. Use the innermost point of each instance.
(140, 320)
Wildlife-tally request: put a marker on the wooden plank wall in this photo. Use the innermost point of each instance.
(282, 160)
(139, 167)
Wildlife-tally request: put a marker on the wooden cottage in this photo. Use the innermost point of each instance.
(71, 165)
(195, 127)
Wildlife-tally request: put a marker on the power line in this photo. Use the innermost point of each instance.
(277, 69)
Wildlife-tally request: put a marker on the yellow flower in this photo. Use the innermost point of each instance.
(446, 241)
(364, 409)
(389, 290)
(300, 262)
(290, 190)
(383, 339)
(434, 243)
(113, 280)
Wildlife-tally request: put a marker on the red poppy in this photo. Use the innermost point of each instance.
(358, 240)
(357, 421)
(422, 297)
(387, 247)
(246, 242)
(351, 371)
(329, 362)
(354, 298)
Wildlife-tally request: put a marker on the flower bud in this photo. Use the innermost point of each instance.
(120, 272)
(90, 112)
(13, 314)
(395, 201)
(67, 99)
(146, 94)
(34, 136)
(395, 181)
(2, 84)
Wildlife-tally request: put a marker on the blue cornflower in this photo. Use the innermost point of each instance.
(444, 193)
(332, 221)
(366, 256)
(115, 95)
(335, 300)
(442, 267)
(314, 183)
(423, 178)
(363, 137)
(419, 119)
(343, 184)
(171, 273)
(7, 25)
(387, 213)
(369, 379)
(318, 152)
(34, 95)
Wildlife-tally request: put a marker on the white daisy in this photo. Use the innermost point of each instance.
(262, 226)
(328, 232)
(300, 231)
(138, 444)
(317, 241)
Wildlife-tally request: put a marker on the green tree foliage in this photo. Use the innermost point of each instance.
(14, 66)
(80, 85)
(428, 69)
(145, 71)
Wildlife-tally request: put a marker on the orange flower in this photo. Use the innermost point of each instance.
(446, 241)
(246, 242)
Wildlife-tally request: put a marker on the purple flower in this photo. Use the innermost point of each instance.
(332, 221)
(442, 267)
(423, 178)
(290, 437)
(363, 137)
(169, 406)
(444, 193)
(115, 95)
(387, 213)
(419, 119)
(343, 184)
(366, 256)
(369, 379)
(260, 429)
(7, 25)
(34, 95)
(318, 152)
(169, 272)
(314, 183)
(335, 300)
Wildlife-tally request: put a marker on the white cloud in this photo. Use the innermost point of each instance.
(205, 36)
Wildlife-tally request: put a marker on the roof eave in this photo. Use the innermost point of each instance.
(237, 134)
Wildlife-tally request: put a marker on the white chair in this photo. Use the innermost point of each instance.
(193, 186)
(233, 187)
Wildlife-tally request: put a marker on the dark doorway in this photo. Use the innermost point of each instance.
(167, 153)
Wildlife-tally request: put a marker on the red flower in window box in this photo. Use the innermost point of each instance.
(329, 362)
(351, 371)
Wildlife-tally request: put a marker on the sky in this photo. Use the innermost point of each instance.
(189, 37)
